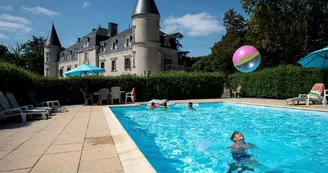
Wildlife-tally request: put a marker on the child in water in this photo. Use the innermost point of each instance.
(190, 106)
(238, 151)
(152, 106)
(164, 107)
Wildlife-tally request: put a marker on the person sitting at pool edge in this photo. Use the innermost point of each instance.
(238, 151)
(152, 105)
(164, 107)
(190, 106)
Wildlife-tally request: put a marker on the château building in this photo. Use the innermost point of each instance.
(142, 49)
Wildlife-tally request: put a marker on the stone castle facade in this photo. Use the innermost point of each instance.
(141, 49)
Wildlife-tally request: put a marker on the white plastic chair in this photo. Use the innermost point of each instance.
(130, 95)
(236, 92)
(87, 97)
(116, 94)
(103, 94)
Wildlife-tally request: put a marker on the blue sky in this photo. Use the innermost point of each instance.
(199, 21)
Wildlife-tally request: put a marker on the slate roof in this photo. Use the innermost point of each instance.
(99, 36)
(145, 6)
(52, 39)
(95, 36)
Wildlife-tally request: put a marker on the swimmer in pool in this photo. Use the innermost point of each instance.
(164, 107)
(152, 106)
(190, 106)
(238, 152)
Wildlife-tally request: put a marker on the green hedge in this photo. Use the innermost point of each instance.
(67, 90)
(279, 83)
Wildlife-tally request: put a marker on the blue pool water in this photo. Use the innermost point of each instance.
(180, 140)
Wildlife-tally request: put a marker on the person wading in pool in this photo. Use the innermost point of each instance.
(190, 106)
(238, 152)
(153, 105)
(164, 107)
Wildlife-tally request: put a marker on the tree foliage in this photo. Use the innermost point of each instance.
(220, 58)
(33, 54)
(283, 31)
(28, 55)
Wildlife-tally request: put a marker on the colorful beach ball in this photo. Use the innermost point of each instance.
(246, 59)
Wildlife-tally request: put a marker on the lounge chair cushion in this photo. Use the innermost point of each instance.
(315, 94)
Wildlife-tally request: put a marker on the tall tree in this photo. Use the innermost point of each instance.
(9, 56)
(220, 58)
(287, 30)
(33, 54)
(177, 38)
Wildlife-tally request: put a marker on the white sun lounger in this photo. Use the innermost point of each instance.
(301, 97)
(13, 111)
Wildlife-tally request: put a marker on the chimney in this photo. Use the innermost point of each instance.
(78, 40)
(112, 29)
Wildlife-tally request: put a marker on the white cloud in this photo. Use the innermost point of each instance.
(7, 7)
(40, 10)
(16, 24)
(14, 19)
(86, 4)
(3, 37)
(14, 27)
(201, 24)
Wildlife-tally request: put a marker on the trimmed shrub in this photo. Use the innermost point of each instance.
(172, 86)
(279, 83)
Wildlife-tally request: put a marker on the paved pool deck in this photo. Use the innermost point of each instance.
(85, 139)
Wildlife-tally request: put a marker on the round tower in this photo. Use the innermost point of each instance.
(52, 49)
(146, 34)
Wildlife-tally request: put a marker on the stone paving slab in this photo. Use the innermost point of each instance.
(74, 141)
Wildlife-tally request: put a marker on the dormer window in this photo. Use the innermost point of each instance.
(113, 45)
(69, 57)
(127, 43)
(167, 42)
(87, 42)
(103, 47)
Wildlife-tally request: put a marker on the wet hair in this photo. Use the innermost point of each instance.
(234, 134)
(152, 103)
(190, 103)
(165, 104)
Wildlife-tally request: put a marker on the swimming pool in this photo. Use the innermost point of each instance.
(180, 140)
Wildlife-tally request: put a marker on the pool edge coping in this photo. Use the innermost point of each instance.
(131, 158)
(229, 101)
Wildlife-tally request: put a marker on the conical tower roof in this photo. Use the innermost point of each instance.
(53, 39)
(145, 7)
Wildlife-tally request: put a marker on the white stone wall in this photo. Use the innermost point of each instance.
(65, 64)
(146, 28)
(169, 54)
(51, 65)
(93, 57)
(119, 58)
(146, 44)
(147, 60)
